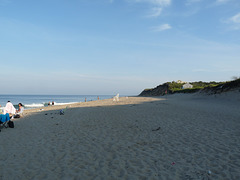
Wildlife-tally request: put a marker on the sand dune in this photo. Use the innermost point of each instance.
(175, 137)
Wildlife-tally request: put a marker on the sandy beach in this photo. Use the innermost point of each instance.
(182, 136)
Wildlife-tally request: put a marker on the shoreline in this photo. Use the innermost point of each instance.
(169, 137)
(41, 101)
(96, 103)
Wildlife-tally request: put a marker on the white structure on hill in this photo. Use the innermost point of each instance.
(187, 86)
(180, 82)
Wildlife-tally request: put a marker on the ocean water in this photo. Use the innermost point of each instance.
(36, 101)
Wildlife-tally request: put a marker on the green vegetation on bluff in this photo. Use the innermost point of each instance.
(175, 87)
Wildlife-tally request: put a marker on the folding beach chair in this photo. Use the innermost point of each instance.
(116, 98)
(4, 119)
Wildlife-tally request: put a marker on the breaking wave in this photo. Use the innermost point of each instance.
(33, 105)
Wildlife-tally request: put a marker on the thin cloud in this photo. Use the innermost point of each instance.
(155, 12)
(155, 2)
(235, 19)
(189, 2)
(221, 1)
(195, 7)
(160, 28)
(157, 6)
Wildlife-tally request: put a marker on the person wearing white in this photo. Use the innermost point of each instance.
(9, 108)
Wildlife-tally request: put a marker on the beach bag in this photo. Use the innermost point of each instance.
(10, 124)
(16, 116)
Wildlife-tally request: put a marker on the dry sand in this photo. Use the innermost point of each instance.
(175, 137)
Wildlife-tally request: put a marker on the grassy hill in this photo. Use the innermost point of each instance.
(203, 87)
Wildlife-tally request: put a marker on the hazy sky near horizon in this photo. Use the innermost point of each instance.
(115, 46)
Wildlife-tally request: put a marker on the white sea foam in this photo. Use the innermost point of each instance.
(42, 105)
(58, 104)
(33, 105)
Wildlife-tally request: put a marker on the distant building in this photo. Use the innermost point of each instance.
(187, 86)
(181, 82)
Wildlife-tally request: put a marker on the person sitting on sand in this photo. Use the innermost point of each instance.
(9, 108)
(19, 111)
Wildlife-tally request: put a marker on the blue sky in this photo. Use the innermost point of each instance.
(115, 46)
